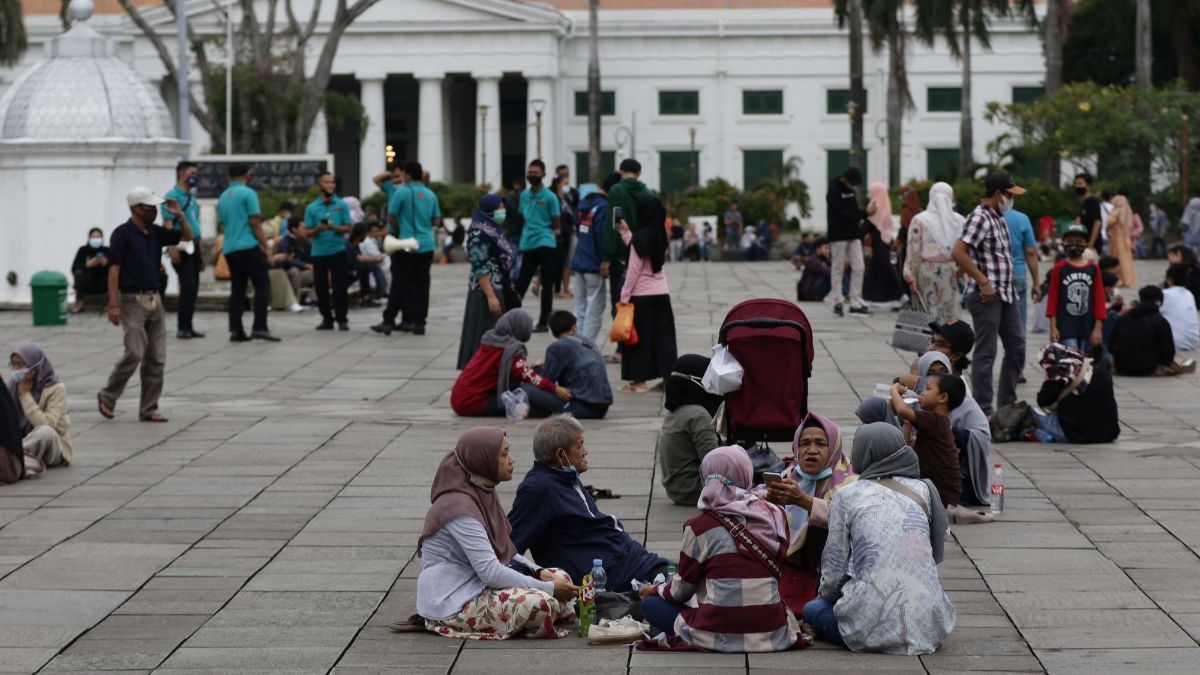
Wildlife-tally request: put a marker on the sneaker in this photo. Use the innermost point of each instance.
(296, 308)
(343, 325)
(860, 310)
(263, 335)
(197, 334)
(541, 328)
(837, 310)
(383, 328)
(325, 325)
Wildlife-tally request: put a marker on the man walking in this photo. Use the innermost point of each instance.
(539, 240)
(327, 222)
(187, 258)
(589, 255)
(134, 304)
(413, 212)
(843, 219)
(984, 253)
(246, 252)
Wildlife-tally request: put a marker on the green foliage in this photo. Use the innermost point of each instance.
(12, 32)
(344, 109)
(1040, 198)
(376, 203)
(459, 200)
(1100, 46)
(767, 202)
(270, 200)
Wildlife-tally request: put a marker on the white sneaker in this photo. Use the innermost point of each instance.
(296, 308)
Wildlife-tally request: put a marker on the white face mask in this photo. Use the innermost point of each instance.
(1006, 203)
(96, 242)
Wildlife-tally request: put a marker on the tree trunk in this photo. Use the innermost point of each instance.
(895, 102)
(1052, 45)
(1143, 45)
(595, 174)
(1185, 49)
(857, 94)
(966, 135)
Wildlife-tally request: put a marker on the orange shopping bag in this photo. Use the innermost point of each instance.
(622, 327)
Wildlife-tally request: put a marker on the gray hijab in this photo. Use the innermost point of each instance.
(925, 362)
(511, 333)
(879, 452)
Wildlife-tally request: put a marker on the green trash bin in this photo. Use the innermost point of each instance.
(49, 298)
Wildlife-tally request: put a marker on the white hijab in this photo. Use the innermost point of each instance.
(939, 219)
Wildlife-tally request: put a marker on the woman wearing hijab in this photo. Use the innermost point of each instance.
(928, 267)
(473, 583)
(499, 365)
(730, 561)
(881, 283)
(816, 470)
(910, 206)
(1120, 225)
(687, 433)
(1190, 221)
(1076, 403)
(646, 287)
(489, 284)
(41, 400)
(879, 583)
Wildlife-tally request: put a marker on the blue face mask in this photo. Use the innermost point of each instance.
(817, 477)
(193, 181)
(500, 217)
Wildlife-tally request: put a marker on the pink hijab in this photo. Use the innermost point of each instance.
(883, 211)
(727, 475)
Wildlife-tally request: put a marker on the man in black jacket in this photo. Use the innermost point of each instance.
(844, 220)
(1141, 341)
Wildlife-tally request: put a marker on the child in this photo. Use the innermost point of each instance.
(1076, 305)
(934, 440)
(574, 362)
(369, 261)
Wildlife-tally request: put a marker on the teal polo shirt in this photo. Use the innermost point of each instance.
(237, 204)
(191, 209)
(338, 213)
(415, 207)
(539, 209)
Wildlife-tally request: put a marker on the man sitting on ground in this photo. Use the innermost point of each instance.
(574, 362)
(555, 518)
(1141, 341)
(1179, 309)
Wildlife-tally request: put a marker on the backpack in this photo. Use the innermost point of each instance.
(1011, 422)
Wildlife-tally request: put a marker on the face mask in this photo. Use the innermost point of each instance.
(1006, 203)
(1074, 251)
(96, 242)
(500, 217)
(1080, 190)
(149, 214)
(568, 469)
(19, 374)
(193, 181)
(815, 477)
(534, 180)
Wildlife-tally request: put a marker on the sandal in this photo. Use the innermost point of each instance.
(413, 624)
(105, 410)
(154, 417)
(600, 493)
(630, 389)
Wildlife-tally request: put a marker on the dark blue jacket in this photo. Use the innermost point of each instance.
(589, 252)
(558, 522)
(575, 363)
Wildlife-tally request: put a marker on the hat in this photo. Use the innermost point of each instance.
(1001, 180)
(143, 195)
(1077, 228)
(958, 333)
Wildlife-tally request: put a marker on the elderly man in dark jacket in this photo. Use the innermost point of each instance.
(555, 518)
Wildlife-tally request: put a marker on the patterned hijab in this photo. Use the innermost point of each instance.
(727, 474)
(1066, 365)
(482, 222)
(837, 474)
(41, 370)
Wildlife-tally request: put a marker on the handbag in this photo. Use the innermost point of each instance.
(912, 332)
(622, 327)
(221, 268)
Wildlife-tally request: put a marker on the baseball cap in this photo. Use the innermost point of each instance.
(143, 195)
(1001, 180)
(958, 333)
(1077, 228)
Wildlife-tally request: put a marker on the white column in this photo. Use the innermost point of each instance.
(371, 159)
(318, 138)
(487, 143)
(431, 140)
(542, 88)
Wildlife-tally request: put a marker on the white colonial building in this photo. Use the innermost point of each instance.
(695, 88)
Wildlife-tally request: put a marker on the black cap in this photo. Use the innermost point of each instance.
(287, 205)
(958, 333)
(997, 181)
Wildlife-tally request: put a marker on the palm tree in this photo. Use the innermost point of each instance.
(858, 102)
(12, 32)
(594, 101)
(1054, 36)
(1143, 45)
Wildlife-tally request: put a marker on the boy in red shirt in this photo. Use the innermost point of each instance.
(1076, 304)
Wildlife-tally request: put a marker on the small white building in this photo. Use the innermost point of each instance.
(697, 88)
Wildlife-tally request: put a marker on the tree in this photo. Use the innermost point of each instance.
(12, 32)
(594, 100)
(1143, 45)
(1054, 36)
(278, 98)
(858, 98)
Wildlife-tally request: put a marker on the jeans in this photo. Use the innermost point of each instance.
(188, 271)
(661, 614)
(544, 262)
(380, 277)
(996, 319)
(327, 268)
(818, 613)
(705, 252)
(1049, 424)
(543, 403)
(589, 303)
(145, 346)
(842, 250)
(248, 265)
(583, 410)
(1157, 245)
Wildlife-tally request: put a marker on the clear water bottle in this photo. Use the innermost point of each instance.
(997, 489)
(599, 576)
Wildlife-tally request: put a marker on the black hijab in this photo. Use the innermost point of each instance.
(650, 237)
(683, 390)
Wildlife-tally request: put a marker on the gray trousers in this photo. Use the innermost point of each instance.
(145, 346)
(45, 444)
(841, 251)
(997, 319)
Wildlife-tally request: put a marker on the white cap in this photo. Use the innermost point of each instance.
(143, 195)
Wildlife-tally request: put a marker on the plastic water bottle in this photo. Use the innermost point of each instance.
(599, 576)
(997, 489)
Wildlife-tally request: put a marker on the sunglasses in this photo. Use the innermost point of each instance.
(695, 380)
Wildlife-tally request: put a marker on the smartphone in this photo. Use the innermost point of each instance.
(617, 218)
(771, 477)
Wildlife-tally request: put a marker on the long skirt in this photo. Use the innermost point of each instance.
(477, 320)
(937, 288)
(882, 284)
(1119, 247)
(654, 354)
(503, 613)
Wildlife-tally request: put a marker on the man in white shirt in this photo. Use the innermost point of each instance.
(1179, 309)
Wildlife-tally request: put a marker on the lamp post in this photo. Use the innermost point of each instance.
(483, 109)
(625, 135)
(229, 78)
(539, 105)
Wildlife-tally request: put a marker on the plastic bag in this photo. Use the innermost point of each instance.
(724, 374)
(622, 326)
(516, 404)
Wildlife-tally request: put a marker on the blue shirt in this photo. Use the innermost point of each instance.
(1021, 231)
(575, 363)
(539, 209)
(415, 207)
(337, 212)
(237, 204)
(139, 255)
(191, 209)
(589, 252)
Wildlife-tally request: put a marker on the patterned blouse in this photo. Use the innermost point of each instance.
(489, 254)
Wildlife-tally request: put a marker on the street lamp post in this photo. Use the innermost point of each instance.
(483, 110)
(625, 135)
(539, 105)
(229, 78)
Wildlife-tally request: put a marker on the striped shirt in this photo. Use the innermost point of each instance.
(986, 233)
(739, 608)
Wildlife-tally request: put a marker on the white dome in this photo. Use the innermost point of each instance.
(81, 91)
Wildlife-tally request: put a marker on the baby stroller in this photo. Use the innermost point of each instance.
(772, 340)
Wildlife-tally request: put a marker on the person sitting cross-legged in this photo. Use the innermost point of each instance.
(500, 365)
(574, 362)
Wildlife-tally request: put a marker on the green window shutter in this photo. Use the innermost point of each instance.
(1027, 94)
(837, 161)
(760, 166)
(942, 164)
(837, 102)
(943, 99)
(764, 102)
(608, 103)
(608, 164)
(678, 103)
(678, 171)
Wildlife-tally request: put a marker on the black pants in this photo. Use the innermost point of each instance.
(91, 281)
(325, 268)
(655, 352)
(248, 265)
(543, 261)
(409, 296)
(188, 271)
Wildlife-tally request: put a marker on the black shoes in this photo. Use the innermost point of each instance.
(418, 330)
(541, 328)
(343, 325)
(837, 310)
(387, 328)
(860, 310)
(383, 328)
(406, 327)
(263, 335)
(188, 334)
(325, 325)
(239, 337)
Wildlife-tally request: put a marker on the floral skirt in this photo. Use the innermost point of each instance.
(502, 613)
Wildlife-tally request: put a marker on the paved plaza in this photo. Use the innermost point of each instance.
(271, 525)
